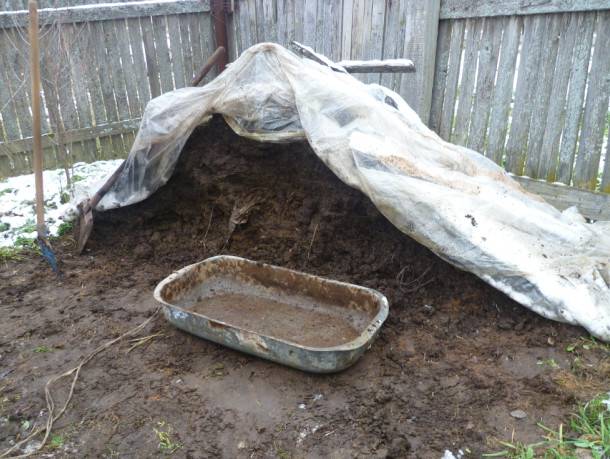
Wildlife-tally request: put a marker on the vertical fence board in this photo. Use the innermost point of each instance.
(91, 70)
(464, 108)
(453, 75)
(596, 108)
(152, 65)
(175, 46)
(309, 22)
(139, 61)
(500, 105)
(576, 91)
(127, 67)
(605, 184)
(440, 74)
(391, 42)
(549, 150)
(542, 92)
(195, 36)
(187, 49)
(488, 60)
(346, 29)
(15, 59)
(106, 85)
(74, 34)
(516, 146)
(162, 51)
(7, 103)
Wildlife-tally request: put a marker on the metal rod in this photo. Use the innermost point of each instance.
(214, 58)
(36, 129)
(220, 30)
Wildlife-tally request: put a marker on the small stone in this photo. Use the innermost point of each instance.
(241, 445)
(142, 250)
(399, 447)
(518, 414)
(381, 453)
(447, 382)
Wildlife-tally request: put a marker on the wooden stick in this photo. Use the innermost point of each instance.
(36, 130)
(218, 55)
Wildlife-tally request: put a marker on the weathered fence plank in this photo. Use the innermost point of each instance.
(391, 41)
(592, 205)
(488, 60)
(576, 91)
(455, 9)
(596, 108)
(500, 104)
(7, 103)
(542, 92)
(516, 146)
(152, 65)
(175, 46)
(453, 74)
(104, 12)
(605, 184)
(162, 51)
(549, 151)
(440, 74)
(464, 107)
(106, 85)
(186, 48)
(136, 43)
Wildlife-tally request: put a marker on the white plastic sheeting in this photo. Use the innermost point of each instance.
(451, 199)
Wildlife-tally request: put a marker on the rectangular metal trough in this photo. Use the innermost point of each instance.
(297, 319)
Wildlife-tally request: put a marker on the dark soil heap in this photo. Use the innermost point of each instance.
(454, 358)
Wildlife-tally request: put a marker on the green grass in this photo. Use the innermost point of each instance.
(7, 191)
(10, 254)
(64, 228)
(587, 344)
(57, 441)
(29, 227)
(551, 363)
(164, 435)
(589, 432)
(42, 349)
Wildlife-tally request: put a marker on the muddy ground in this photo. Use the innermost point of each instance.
(453, 360)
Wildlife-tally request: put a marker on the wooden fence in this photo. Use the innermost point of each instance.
(528, 88)
(100, 66)
(350, 29)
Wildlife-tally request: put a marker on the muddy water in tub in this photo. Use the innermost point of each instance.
(299, 320)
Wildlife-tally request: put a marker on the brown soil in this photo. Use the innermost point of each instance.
(454, 358)
(278, 319)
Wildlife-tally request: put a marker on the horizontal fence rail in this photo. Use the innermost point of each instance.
(99, 70)
(530, 92)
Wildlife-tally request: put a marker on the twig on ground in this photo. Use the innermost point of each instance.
(142, 341)
(313, 237)
(52, 417)
(417, 283)
(207, 230)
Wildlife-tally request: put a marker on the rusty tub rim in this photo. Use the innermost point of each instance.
(362, 340)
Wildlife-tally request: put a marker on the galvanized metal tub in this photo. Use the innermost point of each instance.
(297, 319)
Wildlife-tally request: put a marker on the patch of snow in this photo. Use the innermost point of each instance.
(17, 197)
(449, 455)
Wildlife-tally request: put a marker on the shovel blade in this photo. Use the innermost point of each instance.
(85, 225)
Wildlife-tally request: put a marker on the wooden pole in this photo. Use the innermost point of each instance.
(36, 130)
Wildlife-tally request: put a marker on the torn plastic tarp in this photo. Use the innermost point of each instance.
(456, 202)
